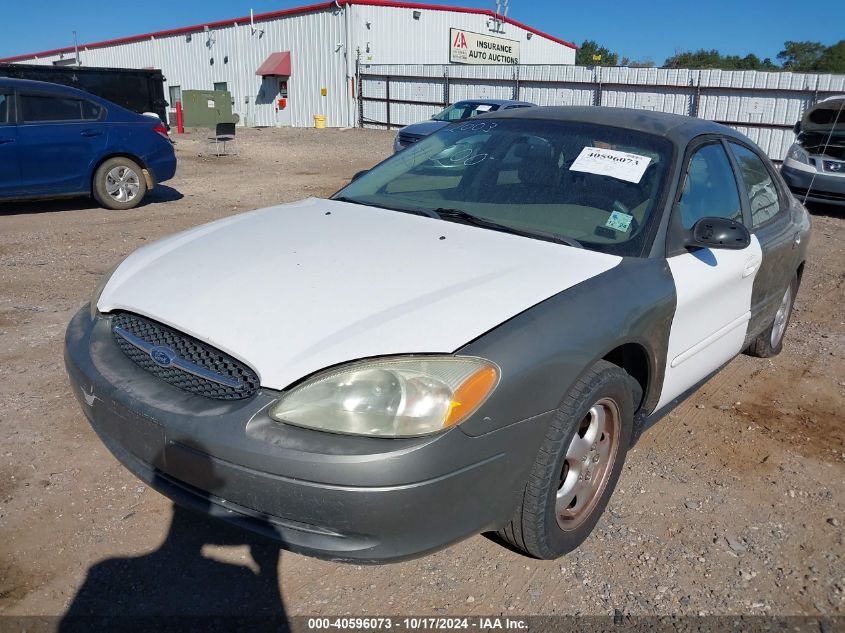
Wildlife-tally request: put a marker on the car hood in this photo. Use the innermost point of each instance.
(822, 117)
(296, 288)
(424, 128)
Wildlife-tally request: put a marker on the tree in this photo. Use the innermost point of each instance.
(586, 55)
(833, 59)
(714, 59)
(633, 63)
(801, 56)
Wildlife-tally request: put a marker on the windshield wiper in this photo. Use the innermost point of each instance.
(345, 199)
(382, 206)
(463, 216)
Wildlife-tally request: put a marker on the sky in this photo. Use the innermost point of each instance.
(642, 31)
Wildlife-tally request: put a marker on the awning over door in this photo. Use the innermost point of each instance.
(275, 64)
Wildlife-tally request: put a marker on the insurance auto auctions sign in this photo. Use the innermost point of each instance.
(476, 48)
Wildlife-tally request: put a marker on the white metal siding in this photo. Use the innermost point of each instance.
(762, 105)
(310, 37)
(320, 55)
(395, 37)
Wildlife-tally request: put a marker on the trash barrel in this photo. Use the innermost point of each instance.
(319, 121)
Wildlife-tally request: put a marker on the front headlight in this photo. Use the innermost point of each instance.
(798, 153)
(391, 397)
(101, 285)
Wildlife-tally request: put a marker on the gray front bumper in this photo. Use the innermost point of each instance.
(338, 497)
(825, 188)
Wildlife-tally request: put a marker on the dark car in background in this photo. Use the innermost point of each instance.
(458, 111)
(814, 167)
(58, 142)
(136, 89)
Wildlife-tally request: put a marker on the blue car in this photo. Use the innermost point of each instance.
(57, 141)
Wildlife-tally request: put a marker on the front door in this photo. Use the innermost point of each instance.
(58, 139)
(713, 286)
(9, 168)
(283, 103)
(272, 105)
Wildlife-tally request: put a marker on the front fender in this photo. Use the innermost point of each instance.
(543, 350)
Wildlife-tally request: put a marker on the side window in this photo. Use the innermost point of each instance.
(35, 108)
(175, 95)
(710, 189)
(5, 107)
(91, 111)
(761, 190)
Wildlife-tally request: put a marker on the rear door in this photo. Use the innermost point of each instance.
(9, 168)
(713, 286)
(59, 137)
(771, 224)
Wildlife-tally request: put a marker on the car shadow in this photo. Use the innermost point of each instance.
(827, 210)
(179, 585)
(161, 193)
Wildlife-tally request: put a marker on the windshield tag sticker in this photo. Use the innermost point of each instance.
(609, 162)
(619, 221)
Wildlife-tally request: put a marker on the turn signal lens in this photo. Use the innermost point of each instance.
(469, 396)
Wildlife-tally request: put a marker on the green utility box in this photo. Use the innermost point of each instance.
(207, 108)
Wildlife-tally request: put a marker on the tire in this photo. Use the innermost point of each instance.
(770, 341)
(124, 178)
(536, 527)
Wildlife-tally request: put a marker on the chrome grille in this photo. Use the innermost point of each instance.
(181, 360)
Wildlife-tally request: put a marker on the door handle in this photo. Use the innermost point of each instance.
(91, 133)
(797, 239)
(751, 267)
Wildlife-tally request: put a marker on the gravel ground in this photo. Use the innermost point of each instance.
(732, 505)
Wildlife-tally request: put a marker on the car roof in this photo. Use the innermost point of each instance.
(498, 102)
(31, 84)
(677, 128)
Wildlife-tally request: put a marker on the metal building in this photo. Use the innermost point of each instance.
(284, 67)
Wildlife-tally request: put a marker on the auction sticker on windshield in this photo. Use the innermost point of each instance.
(609, 162)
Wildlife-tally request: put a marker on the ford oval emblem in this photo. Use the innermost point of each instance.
(162, 356)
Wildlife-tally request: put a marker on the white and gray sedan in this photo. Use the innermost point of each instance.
(444, 349)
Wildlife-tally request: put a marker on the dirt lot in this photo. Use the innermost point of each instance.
(734, 504)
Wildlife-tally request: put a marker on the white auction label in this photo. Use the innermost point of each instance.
(609, 162)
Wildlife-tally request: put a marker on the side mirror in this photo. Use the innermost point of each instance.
(359, 174)
(797, 127)
(719, 233)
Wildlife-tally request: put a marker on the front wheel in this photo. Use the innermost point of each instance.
(119, 184)
(577, 466)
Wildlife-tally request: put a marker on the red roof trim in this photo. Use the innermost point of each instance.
(262, 17)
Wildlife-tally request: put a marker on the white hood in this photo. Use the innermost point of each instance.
(295, 288)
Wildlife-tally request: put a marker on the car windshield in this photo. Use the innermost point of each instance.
(464, 110)
(589, 185)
